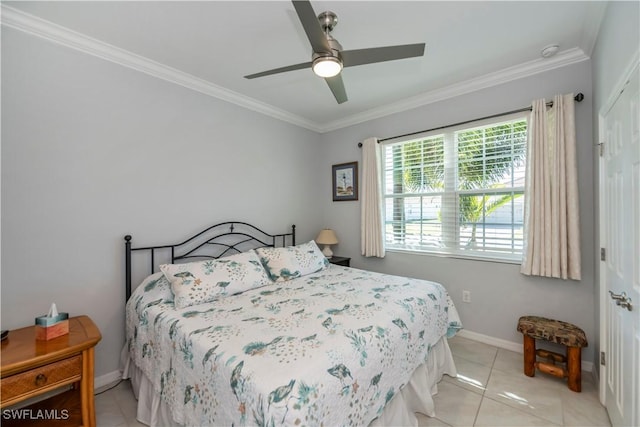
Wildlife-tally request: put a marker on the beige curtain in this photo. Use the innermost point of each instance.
(551, 223)
(371, 229)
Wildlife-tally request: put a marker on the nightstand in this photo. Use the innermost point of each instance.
(32, 367)
(340, 260)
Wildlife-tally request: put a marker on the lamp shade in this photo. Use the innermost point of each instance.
(327, 237)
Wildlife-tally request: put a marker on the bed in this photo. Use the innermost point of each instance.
(241, 327)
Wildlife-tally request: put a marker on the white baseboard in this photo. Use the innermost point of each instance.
(106, 379)
(507, 345)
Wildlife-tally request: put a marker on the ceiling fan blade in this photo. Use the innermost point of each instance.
(355, 57)
(279, 70)
(337, 87)
(311, 26)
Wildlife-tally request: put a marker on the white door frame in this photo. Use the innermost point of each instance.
(604, 298)
(602, 282)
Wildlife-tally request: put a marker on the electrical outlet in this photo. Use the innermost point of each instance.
(466, 296)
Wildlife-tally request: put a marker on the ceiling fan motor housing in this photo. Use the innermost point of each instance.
(335, 46)
(328, 64)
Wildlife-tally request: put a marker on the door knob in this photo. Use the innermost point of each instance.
(618, 297)
(626, 303)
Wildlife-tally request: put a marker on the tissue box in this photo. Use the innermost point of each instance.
(48, 328)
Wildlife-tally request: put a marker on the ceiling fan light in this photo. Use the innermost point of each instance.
(327, 66)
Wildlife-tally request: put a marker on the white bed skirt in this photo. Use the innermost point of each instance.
(415, 396)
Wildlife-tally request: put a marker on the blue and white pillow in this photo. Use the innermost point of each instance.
(290, 262)
(204, 281)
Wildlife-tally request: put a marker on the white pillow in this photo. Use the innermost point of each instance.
(204, 281)
(284, 264)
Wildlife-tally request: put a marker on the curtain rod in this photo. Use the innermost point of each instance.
(579, 97)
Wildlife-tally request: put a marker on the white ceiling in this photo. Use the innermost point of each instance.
(213, 44)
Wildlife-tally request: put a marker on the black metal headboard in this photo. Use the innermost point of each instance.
(216, 241)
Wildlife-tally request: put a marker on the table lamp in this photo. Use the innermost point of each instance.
(327, 237)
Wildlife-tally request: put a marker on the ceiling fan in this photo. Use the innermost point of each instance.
(328, 58)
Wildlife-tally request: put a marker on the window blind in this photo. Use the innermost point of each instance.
(458, 192)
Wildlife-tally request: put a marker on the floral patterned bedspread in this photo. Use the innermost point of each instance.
(328, 348)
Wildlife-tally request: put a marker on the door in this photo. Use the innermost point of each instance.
(620, 277)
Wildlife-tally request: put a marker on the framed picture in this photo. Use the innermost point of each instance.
(345, 181)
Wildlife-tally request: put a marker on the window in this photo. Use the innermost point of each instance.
(459, 193)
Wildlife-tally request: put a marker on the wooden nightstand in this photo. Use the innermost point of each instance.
(31, 367)
(340, 260)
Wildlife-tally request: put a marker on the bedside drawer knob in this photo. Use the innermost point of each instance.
(41, 379)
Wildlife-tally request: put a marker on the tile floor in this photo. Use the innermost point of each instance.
(490, 390)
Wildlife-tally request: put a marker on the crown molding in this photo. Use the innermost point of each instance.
(55, 33)
(562, 59)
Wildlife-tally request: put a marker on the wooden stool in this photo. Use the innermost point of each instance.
(574, 338)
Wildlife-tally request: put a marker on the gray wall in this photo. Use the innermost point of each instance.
(92, 151)
(618, 41)
(500, 294)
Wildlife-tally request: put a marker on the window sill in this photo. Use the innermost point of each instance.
(456, 256)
